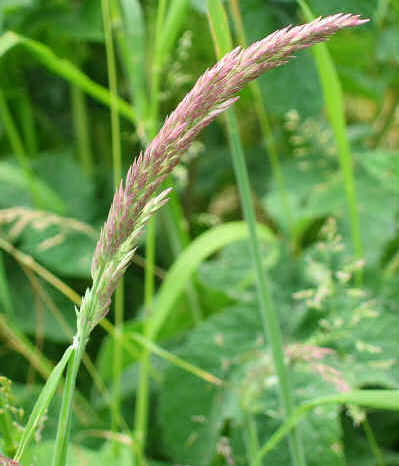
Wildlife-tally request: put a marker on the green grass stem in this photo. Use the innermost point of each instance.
(27, 121)
(142, 396)
(117, 172)
(42, 403)
(334, 101)
(167, 27)
(65, 69)
(202, 247)
(131, 42)
(65, 414)
(80, 120)
(264, 123)
(375, 449)
(272, 332)
(271, 327)
(5, 295)
(7, 430)
(250, 437)
(175, 360)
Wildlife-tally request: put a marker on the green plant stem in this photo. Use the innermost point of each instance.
(265, 126)
(388, 120)
(131, 43)
(397, 192)
(62, 287)
(18, 147)
(141, 407)
(334, 101)
(65, 69)
(5, 295)
(81, 126)
(27, 121)
(6, 427)
(178, 362)
(156, 69)
(178, 239)
(251, 437)
(154, 122)
(271, 328)
(166, 30)
(65, 414)
(117, 170)
(268, 314)
(373, 442)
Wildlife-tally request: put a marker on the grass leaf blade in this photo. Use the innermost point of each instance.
(65, 69)
(42, 403)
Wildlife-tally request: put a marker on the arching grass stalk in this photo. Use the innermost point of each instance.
(135, 201)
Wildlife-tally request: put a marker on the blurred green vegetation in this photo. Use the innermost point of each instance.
(56, 185)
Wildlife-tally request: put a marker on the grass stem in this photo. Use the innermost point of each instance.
(265, 126)
(81, 126)
(269, 318)
(373, 442)
(268, 315)
(27, 121)
(334, 101)
(117, 171)
(65, 414)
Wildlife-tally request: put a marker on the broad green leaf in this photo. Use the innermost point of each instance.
(173, 285)
(188, 261)
(63, 68)
(370, 343)
(381, 399)
(292, 86)
(315, 191)
(232, 272)
(79, 455)
(358, 324)
(230, 346)
(62, 244)
(81, 22)
(66, 178)
(321, 434)
(46, 311)
(14, 189)
(219, 345)
(42, 403)
(381, 165)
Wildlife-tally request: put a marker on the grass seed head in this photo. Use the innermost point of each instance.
(214, 92)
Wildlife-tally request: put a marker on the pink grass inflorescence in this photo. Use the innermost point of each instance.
(212, 94)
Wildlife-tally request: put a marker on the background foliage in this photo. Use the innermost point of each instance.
(56, 185)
